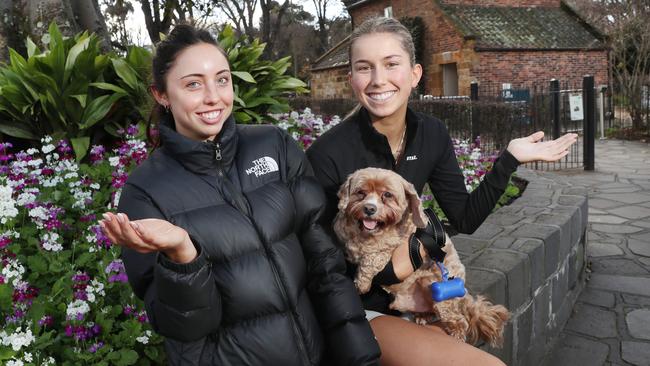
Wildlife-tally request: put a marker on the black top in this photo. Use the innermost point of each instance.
(428, 157)
(268, 286)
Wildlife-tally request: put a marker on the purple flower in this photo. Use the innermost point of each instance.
(96, 329)
(4, 241)
(95, 347)
(46, 321)
(97, 154)
(115, 266)
(129, 309)
(120, 277)
(101, 239)
(132, 130)
(64, 148)
(88, 218)
(142, 317)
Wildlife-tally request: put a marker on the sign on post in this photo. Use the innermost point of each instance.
(575, 104)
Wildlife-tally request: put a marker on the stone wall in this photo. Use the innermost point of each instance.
(530, 257)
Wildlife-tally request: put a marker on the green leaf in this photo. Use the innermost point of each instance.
(289, 83)
(75, 51)
(81, 98)
(80, 146)
(17, 129)
(32, 49)
(247, 77)
(107, 86)
(125, 72)
(242, 117)
(37, 264)
(151, 352)
(97, 109)
(6, 353)
(5, 296)
(127, 357)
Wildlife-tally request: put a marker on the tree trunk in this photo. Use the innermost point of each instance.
(89, 17)
(31, 18)
(7, 20)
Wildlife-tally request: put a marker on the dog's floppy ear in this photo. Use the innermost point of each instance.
(420, 219)
(344, 193)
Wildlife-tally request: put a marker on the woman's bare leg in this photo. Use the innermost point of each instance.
(405, 343)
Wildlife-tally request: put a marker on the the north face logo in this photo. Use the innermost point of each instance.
(263, 165)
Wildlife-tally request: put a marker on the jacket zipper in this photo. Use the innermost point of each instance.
(296, 329)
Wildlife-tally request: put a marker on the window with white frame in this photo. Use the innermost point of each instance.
(388, 12)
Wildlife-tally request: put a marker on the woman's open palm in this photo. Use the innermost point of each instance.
(146, 235)
(532, 148)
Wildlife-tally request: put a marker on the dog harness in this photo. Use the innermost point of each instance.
(432, 238)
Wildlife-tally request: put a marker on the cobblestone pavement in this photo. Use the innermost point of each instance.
(610, 323)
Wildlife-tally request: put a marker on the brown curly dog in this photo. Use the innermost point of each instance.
(378, 211)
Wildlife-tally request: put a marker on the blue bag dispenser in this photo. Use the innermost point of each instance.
(447, 288)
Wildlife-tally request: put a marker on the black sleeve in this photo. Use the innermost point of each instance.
(348, 335)
(467, 211)
(326, 173)
(181, 300)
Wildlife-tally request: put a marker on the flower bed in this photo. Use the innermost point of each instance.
(64, 296)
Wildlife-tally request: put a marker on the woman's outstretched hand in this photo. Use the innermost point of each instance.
(149, 235)
(532, 148)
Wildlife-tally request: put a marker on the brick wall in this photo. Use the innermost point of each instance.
(529, 66)
(330, 83)
(513, 3)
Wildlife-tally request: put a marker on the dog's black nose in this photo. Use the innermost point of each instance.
(369, 209)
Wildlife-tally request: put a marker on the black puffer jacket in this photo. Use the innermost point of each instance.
(268, 286)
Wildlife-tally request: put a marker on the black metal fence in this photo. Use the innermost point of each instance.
(500, 113)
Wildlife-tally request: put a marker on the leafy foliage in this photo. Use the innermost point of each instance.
(72, 90)
(260, 85)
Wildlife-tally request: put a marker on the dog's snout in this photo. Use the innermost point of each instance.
(369, 209)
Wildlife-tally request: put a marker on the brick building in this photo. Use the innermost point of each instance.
(493, 42)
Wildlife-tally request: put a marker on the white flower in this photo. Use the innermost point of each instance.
(49, 361)
(18, 339)
(77, 307)
(35, 162)
(14, 362)
(144, 339)
(28, 357)
(32, 151)
(114, 160)
(7, 204)
(48, 148)
(50, 242)
(116, 199)
(26, 197)
(95, 186)
(13, 271)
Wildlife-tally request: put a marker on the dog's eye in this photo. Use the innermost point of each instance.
(387, 195)
(361, 193)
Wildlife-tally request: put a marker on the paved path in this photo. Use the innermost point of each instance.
(610, 324)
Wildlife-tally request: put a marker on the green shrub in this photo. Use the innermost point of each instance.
(260, 85)
(71, 90)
